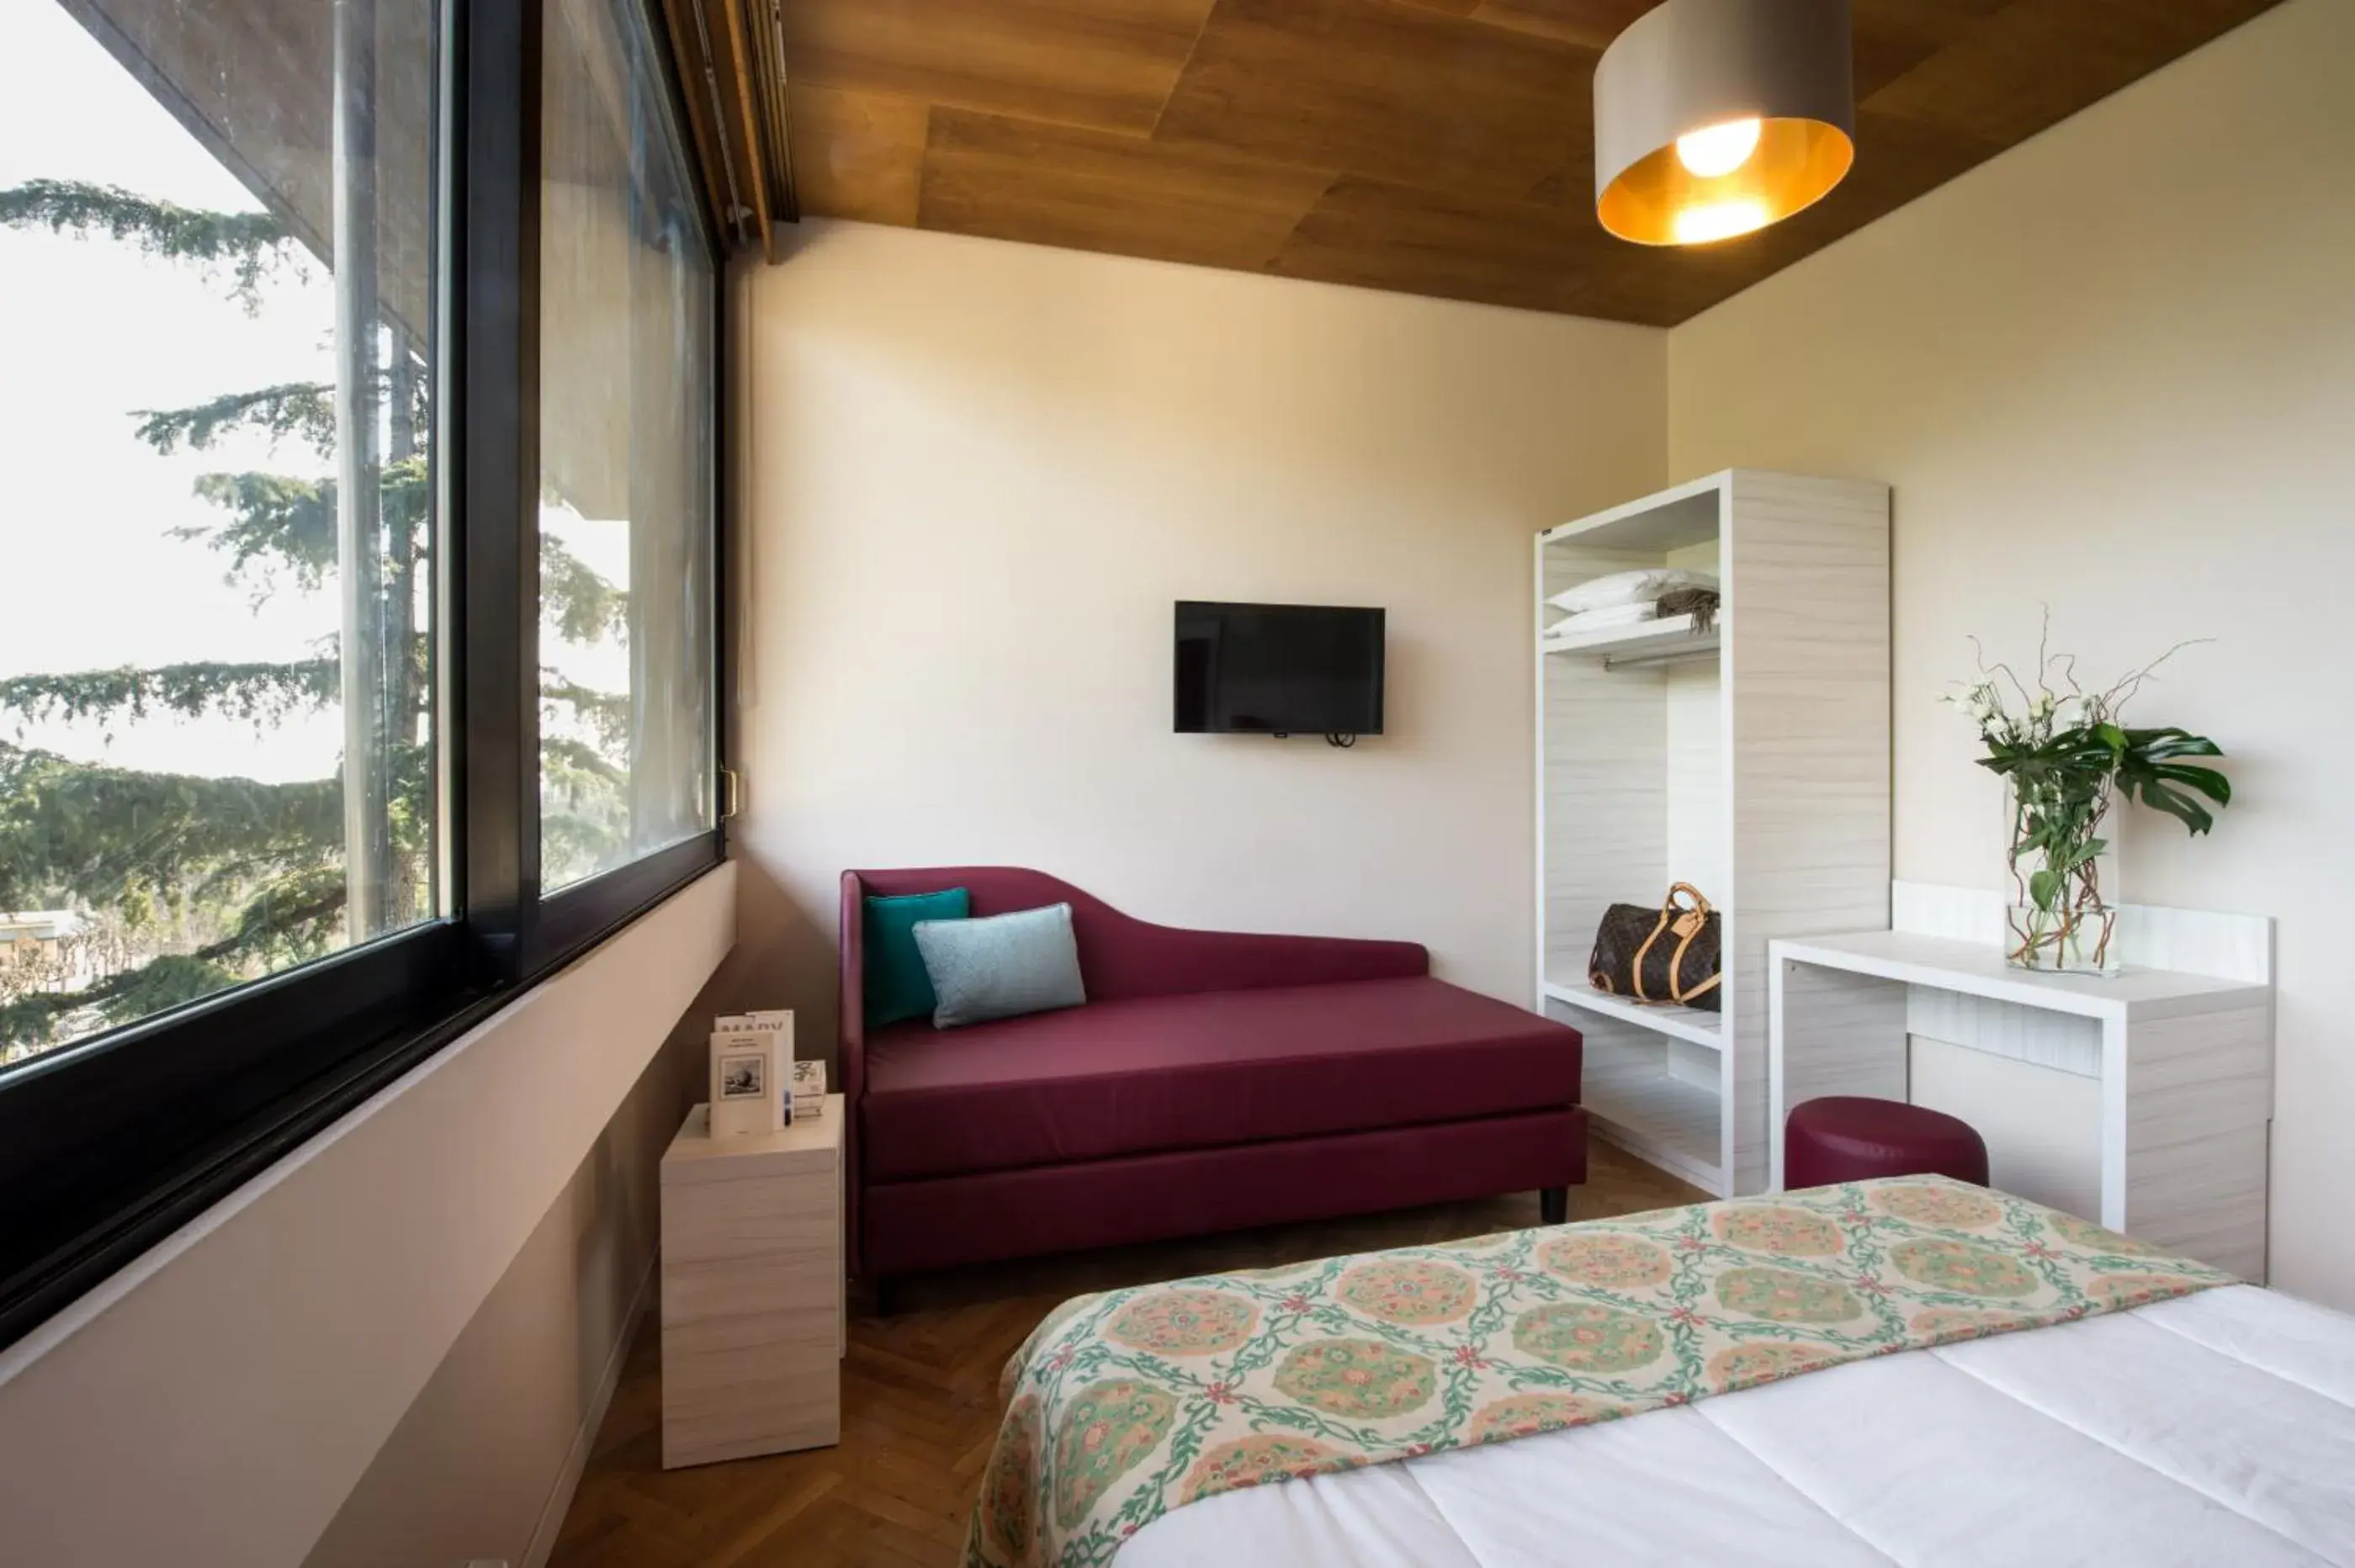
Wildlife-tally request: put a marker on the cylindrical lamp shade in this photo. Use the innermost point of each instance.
(1716, 117)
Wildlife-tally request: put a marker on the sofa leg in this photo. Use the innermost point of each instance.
(1554, 1205)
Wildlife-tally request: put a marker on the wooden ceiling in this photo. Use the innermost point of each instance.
(1429, 146)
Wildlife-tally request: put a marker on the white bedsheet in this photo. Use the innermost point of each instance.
(2215, 1430)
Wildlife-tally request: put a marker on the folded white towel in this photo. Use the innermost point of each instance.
(1641, 587)
(1604, 619)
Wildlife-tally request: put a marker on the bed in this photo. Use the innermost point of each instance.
(1903, 1372)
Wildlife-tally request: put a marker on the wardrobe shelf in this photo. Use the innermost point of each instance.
(1667, 640)
(1690, 1024)
(1635, 1102)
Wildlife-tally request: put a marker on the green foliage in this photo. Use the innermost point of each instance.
(152, 847)
(249, 246)
(32, 1019)
(261, 694)
(277, 523)
(73, 829)
(604, 714)
(2148, 771)
(164, 982)
(226, 876)
(576, 773)
(2065, 756)
(2061, 791)
(202, 883)
(305, 408)
(2062, 782)
(172, 978)
(583, 605)
(289, 919)
(584, 810)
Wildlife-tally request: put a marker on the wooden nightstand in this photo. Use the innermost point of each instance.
(752, 1290)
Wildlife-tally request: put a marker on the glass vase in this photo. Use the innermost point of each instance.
(2075, 939)
(2076, 932)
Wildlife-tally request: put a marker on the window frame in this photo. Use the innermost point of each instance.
(553, 924)
(109, 1144)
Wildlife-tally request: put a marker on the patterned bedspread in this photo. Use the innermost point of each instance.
(1124, 1405)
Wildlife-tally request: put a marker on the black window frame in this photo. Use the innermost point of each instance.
(108, 1145)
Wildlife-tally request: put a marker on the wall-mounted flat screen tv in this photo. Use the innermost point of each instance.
(1278, 669)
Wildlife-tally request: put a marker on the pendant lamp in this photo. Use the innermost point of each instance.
(1713, 118)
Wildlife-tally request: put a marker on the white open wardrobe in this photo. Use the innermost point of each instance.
(1751, 760)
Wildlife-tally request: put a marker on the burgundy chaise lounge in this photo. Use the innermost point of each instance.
(1212, 1080)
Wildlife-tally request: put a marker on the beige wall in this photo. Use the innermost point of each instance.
(484, 1460)
(980, 475)
(2113, 370)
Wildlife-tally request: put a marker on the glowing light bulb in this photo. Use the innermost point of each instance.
(1719, 220)
(1715, 151)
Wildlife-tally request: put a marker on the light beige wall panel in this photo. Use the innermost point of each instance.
(2195, 1136)
(980, 475)
(2113, 371)
(1805, 565)
(486, 1457)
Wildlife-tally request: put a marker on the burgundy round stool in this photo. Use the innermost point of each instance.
(1846, 1138)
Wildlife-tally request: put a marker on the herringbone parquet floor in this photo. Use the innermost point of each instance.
(920, 1398)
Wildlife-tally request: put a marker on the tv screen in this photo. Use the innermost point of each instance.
(1278, 669)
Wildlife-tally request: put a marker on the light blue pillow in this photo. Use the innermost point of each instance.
(1002, 966)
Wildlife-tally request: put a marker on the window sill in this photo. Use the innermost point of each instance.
(283, 1331)
(92, 1248)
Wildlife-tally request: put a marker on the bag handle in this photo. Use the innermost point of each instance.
(1678, 991)
(1670, 914)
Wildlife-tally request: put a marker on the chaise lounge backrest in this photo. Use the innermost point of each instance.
(1121, 957)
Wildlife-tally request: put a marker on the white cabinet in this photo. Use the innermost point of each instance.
(1751, 760)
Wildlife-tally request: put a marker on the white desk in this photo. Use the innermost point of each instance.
(2185, 1064)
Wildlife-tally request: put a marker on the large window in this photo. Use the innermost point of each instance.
(625, 350)
(358, 643)
(217, 716)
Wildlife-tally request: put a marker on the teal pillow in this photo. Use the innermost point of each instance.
(1001, 967)
(897, 986)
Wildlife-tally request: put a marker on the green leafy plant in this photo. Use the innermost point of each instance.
(2068, 758)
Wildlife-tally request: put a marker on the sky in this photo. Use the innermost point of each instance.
(91, 330)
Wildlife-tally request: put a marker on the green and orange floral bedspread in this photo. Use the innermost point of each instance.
(1124, 1405)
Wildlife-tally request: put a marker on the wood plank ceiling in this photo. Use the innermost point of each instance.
(1429, 146)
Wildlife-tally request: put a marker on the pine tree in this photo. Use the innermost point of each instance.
(193, 884)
